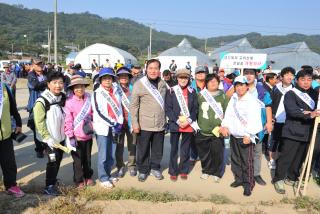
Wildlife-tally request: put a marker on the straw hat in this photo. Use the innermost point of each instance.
(78, 80)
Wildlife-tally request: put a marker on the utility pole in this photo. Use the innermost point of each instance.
(205, 46)
(48, 44)
(55, 32)
(150, 43)
(11, 49)
(85, 43)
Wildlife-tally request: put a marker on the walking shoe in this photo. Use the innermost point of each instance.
(107, 184)
(216, 179)
(279, 187)
(236, 184)
(89, 182)
(133, 172)
(16, 192)
(173, 178)
(204, 176)
(121, 172)
(184, 176)
(142, 177)
(259, 180)
(113, 179)
(289, 182)
(52, 190)
(272, 164)
(157, 174)
(40, 154)
(246, 190)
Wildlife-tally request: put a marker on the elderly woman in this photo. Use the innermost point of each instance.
(78, 129)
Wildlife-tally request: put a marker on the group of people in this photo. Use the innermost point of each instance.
(219, 122)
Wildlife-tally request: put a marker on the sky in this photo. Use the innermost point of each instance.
(201, 18)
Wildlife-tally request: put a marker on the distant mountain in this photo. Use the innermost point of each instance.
(85, 28)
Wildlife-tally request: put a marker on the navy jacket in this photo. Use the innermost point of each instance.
(298, 126)
(173, 110)
(35, 89)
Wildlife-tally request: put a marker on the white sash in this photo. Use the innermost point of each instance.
(212, 103)
(305, 98)
(114, 107)
(182, 102)
(1, 99)
(83, 113)
(168, 87)
(237, 113)
(153, 91)
(184, 106)
(124, 99)
(281, 112)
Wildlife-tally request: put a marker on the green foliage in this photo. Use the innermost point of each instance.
(304, 202)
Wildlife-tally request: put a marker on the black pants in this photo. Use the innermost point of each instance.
(82, 161)
(53, 166)
(292, 155)
(183, 167)
(149, 150)
(193, 150)
(210, 150)
(276, 137)
(8, 163)
(131, 149)
(242, 161)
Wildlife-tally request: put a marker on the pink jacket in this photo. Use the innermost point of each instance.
(72, 108)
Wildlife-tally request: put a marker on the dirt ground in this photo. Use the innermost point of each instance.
(31, 176)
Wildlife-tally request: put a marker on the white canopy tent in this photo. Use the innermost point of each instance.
(294, 55)
(101, 52)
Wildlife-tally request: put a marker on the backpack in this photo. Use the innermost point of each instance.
(46, 106)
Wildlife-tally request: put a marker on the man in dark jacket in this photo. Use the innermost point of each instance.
(300, 107)
(37, 84)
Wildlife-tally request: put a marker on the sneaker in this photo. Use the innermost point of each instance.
(259, 180)
(142, 177)
(293, 183)
(133, 172)
(236, 184)
(121, 172)
(107, 184)
(184, 176)
(173, 178)
(113, 179)
(157, 174)
(216, 179)
(16, 192)
(204, 176)
(89, 182)
(246, 190)
(272, 164)
(51, 190)
(279, 187)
